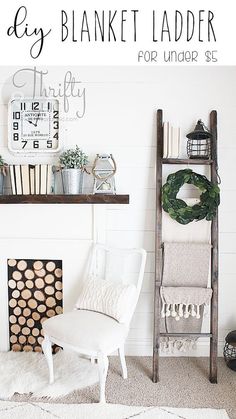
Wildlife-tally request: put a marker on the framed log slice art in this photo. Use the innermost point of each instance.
(34, 294)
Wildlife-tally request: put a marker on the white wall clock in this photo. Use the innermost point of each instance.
(33, 125)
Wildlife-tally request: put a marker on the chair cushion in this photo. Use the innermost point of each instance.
(87, 330)
(117, 300)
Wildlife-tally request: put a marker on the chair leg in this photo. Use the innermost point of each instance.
(122, 361)
(47, 350)
(103, 363)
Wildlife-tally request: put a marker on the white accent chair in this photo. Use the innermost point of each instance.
(91, 333)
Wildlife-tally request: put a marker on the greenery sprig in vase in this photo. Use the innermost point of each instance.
(73, 158)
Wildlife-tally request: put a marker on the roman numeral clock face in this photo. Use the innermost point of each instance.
(33, 125)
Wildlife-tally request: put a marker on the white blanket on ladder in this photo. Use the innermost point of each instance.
(184, 291)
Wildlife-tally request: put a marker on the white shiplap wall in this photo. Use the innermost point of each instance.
(120, 118)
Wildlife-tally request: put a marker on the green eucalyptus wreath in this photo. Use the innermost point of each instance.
(178, 209)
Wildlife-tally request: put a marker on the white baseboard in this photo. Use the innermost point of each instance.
(135, 347)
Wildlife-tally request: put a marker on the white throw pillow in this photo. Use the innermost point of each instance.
(107, 297)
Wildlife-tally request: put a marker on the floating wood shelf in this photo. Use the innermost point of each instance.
(65, 199)
(187, 161)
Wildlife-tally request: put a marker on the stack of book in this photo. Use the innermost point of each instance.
(28, 179)
(171, 141)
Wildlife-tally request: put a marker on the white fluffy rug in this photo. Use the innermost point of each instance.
(10, 410)
(22, 372)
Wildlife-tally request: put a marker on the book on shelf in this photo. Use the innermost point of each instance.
(165, 139)
(18, 179)
(32, 178)
(49, 178)
(175, 142)
(12, 179)
(37, 179)
(43, 179)
(25, 177)
(169, 139)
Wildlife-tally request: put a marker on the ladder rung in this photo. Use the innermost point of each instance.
(195, 335)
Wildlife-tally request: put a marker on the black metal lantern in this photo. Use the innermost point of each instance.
(199, 142)
(230, 350)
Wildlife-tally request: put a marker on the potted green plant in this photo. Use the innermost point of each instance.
(3, 173)
(73, 162)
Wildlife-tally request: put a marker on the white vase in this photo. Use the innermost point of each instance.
(72, 181)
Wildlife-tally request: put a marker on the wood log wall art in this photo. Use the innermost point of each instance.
(34, 295)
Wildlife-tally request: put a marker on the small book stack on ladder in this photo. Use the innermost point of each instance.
(171, 141)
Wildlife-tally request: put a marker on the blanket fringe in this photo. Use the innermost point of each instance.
(179, 311)
(169, 345)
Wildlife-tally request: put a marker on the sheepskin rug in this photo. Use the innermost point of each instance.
(27, 372)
